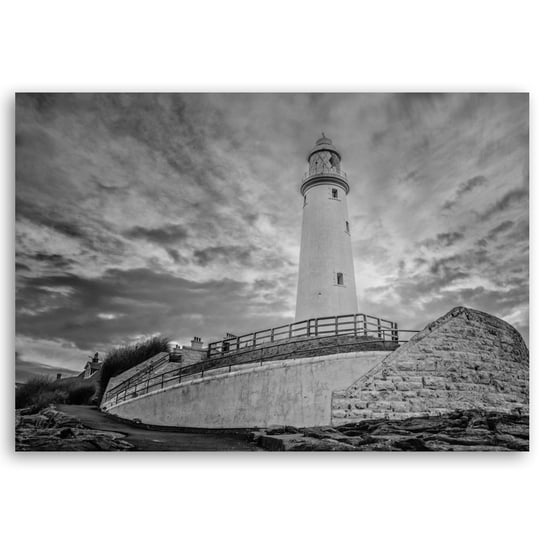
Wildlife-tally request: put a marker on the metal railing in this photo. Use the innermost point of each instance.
(364, 329)
(142, 374)
(358, 324)
(326, 171)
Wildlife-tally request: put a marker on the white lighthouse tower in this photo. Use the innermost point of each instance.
(326, 279)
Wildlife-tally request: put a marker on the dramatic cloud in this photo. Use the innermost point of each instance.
(180, 213)
(169, 234)
(464, 188)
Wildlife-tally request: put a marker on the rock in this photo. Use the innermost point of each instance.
(66, 432)
(52, 430)
(280, 429)
(468, 430)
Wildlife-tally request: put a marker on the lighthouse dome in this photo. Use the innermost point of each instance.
(324, 144)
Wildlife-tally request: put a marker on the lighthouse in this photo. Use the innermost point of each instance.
(326, 278)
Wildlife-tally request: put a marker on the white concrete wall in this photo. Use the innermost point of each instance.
(325, 249)
(294, 392)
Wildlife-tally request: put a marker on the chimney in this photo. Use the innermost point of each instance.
(196, 342)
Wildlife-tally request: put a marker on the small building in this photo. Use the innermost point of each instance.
(92, 366)
(187, 355)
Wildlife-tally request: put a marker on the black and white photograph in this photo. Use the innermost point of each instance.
(272, 272)
(316, 272)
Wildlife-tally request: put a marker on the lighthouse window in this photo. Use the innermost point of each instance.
(304, 201)
(335, 193)
(340, 278)
(347, 227)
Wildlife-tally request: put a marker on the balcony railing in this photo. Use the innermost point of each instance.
(334, 172)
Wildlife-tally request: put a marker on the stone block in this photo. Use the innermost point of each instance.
(426, 394)
(430, 382)
(384, 385)
(366, 414)
(399, 406)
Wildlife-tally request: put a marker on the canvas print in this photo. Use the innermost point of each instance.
(272, 272)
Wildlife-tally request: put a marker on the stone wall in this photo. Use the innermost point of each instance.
(466, 359)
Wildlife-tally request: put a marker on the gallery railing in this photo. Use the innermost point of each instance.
(345, 333)
(337, 173)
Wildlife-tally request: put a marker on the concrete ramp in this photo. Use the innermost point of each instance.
(465, 359)
(295, 392)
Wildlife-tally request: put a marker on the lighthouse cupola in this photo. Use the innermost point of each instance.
(324, 162)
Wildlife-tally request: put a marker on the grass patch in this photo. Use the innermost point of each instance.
(40, 392)
(121, 359)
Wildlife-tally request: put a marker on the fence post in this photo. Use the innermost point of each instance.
(290, 331)
(379, 327)
(308, 327)
(237, 343)
(254, 339)
(271, 335)
(336, 325)
(365, 329)
(316, 326)
(355, 324)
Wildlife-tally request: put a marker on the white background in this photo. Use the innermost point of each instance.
(270, 46)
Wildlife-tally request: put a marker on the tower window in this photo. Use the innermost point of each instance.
(335, 193)
(305, 202)
(347, 227)
(339, 278)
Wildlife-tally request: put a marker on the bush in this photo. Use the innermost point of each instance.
(80, 394)
(120, 359)
(35, 391)
(40, 392)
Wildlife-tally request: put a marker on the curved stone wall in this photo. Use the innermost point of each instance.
(466, 359)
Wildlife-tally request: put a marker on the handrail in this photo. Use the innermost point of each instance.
(319, 326)
(325, 172)
(147, 370)
(123, 388)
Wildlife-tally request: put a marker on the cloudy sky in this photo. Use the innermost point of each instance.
(180, 213)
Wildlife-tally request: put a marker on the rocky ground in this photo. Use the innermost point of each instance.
(84, 428)
(52, 430)
(469, 430)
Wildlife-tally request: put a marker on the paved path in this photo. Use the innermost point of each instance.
(159, 440)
